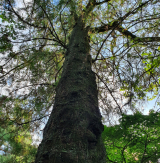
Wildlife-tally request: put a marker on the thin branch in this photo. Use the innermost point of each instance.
(61, 20)
(58, 73)
(37, 119)
(15, 68)
(31, 85)
(109, 92)
(20, 18)
(103, 44)
(63, 28)
(145, 149)
(91, 5)
(135, 10)
(56, 36)
(42, 38)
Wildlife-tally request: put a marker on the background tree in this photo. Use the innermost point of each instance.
(136, 138)
(121, 40)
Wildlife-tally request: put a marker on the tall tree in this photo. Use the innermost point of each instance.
(49, 49)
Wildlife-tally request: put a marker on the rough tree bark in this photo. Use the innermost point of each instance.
(73, 131)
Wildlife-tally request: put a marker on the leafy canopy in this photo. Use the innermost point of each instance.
(136, 138)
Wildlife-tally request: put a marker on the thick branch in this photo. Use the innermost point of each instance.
(102, 28)
(107, 27)
(133, 37)
(148, 39)
(116, 25)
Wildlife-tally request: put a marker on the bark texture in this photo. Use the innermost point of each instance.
(73, 131)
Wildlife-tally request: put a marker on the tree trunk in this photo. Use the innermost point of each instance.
(73, 131)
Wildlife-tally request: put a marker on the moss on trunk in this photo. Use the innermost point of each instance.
(73, 131)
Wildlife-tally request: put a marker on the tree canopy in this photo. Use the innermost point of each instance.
(34, 36)
(135, 139)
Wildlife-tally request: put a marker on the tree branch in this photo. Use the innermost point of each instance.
(20, 18)
(103, 44)
(116, 25)
(120, 110)
(133, 37)
(91, 5)
(37, 119)
(107, 27)
(55, 34)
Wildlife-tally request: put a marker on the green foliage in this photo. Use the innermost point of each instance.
(136, 138)
(16, 147)
(15, 144)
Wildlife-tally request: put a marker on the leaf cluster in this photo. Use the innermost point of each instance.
(136, 138)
